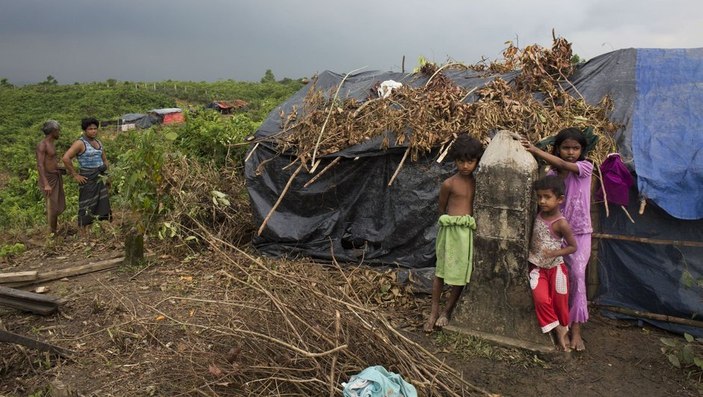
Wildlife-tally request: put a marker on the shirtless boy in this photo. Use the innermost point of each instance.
(454, 246)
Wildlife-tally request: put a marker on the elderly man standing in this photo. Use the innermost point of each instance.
(50, 176)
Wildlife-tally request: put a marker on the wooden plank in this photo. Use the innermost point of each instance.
(17, 276)
(502, 340)
(9, 337)
(71, 271)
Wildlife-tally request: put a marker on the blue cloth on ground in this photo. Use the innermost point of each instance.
(667, 133)
(376, 381)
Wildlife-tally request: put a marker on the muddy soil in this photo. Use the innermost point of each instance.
(622, 358)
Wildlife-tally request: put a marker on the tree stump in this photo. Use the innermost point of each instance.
(134, 248)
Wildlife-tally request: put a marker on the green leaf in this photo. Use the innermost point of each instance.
(687, 355)
(223, 201)
(171, 136)
(674, 361)
(687, 279)
(668, 341)
(689, 337)
(698, 361)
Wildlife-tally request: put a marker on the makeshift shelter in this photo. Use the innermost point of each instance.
(351, 214)
(654, 265)
(220, 106)
(227, 107)
(131, 121)
(168, 115)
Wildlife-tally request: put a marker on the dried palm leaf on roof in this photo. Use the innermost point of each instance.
(534, 104)
(427, 116)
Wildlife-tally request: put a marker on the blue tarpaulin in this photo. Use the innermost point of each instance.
(667, 129)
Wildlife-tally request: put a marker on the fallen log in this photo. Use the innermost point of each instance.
(9, 337)
(28, 301)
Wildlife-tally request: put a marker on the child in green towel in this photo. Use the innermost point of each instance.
(454, 246)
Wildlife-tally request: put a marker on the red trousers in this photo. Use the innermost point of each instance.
(550, 293)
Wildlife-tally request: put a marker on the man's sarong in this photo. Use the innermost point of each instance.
(93, 197)
(56, 201)
(454, 249)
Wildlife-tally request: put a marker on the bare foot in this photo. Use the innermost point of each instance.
(442, 321)
(562, 339)
(577, 343)
(576, 339)
(429, 325)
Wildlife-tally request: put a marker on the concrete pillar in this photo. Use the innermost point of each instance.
(497, 303)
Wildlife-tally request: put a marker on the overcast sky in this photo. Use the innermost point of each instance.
(209, 40)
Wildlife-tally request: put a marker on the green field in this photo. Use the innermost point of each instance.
(136, 156)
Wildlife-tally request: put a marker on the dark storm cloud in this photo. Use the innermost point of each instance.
(81, 40)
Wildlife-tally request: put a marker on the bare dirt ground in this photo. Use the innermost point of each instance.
(156, 330)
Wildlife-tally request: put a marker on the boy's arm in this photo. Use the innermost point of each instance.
(551, 159)
(561, 228)
(41, 158)
(444, 196)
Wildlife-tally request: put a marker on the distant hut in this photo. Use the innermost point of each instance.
(228, 107)
(221, 106)
(169, 115)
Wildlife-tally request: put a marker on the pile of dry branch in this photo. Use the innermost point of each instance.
(289, 328)
(215, 198)
(429, 116)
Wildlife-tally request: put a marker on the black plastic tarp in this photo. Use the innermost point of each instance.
(651, 275)
(351, 212)
(140, 120)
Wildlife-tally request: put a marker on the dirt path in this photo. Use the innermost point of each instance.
(622, 358)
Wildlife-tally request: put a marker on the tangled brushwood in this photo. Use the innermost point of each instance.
(199, 192)
(535, 104)
(288, 328)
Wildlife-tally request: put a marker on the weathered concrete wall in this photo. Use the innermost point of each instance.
(498, 300)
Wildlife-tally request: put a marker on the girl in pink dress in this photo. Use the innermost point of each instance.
(568, 162)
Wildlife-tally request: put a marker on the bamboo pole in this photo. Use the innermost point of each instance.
(280, 198)
(626, 213)
(446, 150)
(329, 113)
(252, 151)
(397, 170)
(652, 316)
(319, 174)
(643, 203)
(605, 196)
(439, 70)
(681, 243)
